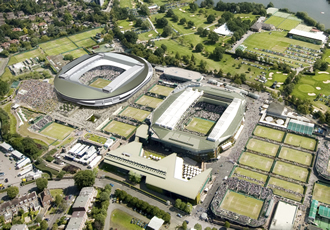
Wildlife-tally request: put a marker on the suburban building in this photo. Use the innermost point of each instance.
(84, 200)
(19, 227)
(77, 221)
(45, 198)
(155, 223)
(317, 37)
(164, 175)
(284, 216)
(258, 26)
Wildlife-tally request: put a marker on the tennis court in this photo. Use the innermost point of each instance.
(272, 134)
(100, 83)
(291, 171)
(251, 174)
(151, 102)
(137, 114)
(300, 141)
(321, 193)
(54, 43)
(61, 49)
(84, 35)
(256, 161)
(262, 147)
(161, 90)
(23, 56)
(296, 156)
(76, 53)
(200, 125)
(120, 128)
(286, 185)
(86, 43)
(57, 131)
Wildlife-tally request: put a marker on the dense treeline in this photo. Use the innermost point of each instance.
(242, 7)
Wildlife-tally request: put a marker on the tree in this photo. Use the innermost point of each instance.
(44, 38)
(4, 88)
(198, 227)
(84, 178)
(41, 183)
(214, 37)
(190, 24)
(270, 4)
(217, 53)
(12, 192)
(178, 203)
(183, 21)
(131, 37)
(162, 9)
(43, 225)
(138, 22)
(55, 226)
(169, 13)
(184, 225)
(210, 18)
(200, 30)
(68, 57)
(162, 22)
(58, 200)
(164, 47)
(175, 18)
(193, 6)
(144, 9)
(167, 31)
(324, 66)
(34, 42)
(108, 38)
(227, 224)
(199, 47)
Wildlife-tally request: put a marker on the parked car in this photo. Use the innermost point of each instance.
(179, 215)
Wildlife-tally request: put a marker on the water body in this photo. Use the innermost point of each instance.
(312, 7)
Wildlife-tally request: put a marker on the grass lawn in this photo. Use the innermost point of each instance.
(147, 36)
(120, 128)
(200, 125)
(151, 102)
(321, 193)
(57, 131)
(274, 20)
(6, 76)
(326, 55)
(55, 192)
(251, 174)
(86, 43)
(262, 147)
(61, 49)
(161, 90)
(12, 118)
(256, 161)
(126, 3)
(296, 156)
(23, 56)
(100, 83)
(84, 35)
(288, 24)
(242, 204)
(137, 114)
(23, 130)
(304, 142)
(96, 138)
(54, 43)
(291, 171)
(67, 141)
(272, 134)
(125, 24)
(286, 185)
(279, 77)
(122, 221)
(76, 53)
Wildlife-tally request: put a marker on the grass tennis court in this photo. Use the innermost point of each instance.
(300, 141)
(241, 204)
(321, 193)
(291, 171)
(256, 161)
(76, 53)
(61, 49)
(120, 128)
(200, 125)
(86, 43)
(100, 83)
(151, 102)
(286, 185)
(274, 20)
(23, 56)
(296, 156)
(54, 43)
(84, 35)
(137, 114)
(262, 147)
(161, 90)
(272, 134)
(288, 24)
(251, 174)
(57, 131)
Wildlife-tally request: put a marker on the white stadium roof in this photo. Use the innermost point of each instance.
(317, 36)
(284, 216)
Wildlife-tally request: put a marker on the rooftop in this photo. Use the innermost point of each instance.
(155, 223)
(317, 36)
(284, 216)
(183, 73)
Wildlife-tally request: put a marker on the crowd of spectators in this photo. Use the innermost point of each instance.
(104, 72)
(208, 111)
(248, 178)
(322, 161)
(41, 123)
(285, 190)
(37, 94)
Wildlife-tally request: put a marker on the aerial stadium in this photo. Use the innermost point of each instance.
(102, 79)
(200, 121)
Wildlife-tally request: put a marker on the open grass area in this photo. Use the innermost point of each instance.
(200, 125)
(288, 24)
(6, 76)
(96, 138)
(272, 134)
(122, 221)
(26, 55)
(67, 141)
(279, 77)
(100, 83)
(296, 156)
(262, 147)
(256, 161)
(55, 192)
(12, 118)
(241, 204)
(137, 114)
(86, 43)
(84, 35)
(321, 193)
(76, 53)
(61, 49)
(120, 128)
(151, 102)
(126, 3)
(291, 171)
(161, 90)
(54, 43)
(275, 20)
(125, 25)
(23, 130)
(300, 141)
(251, 174)
(286, 185)
(57, 131)
(146, 36)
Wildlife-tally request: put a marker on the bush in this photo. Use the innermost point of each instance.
(49, 158)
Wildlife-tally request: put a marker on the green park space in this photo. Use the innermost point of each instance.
(242, 204)
(276, 76)
(26, 55)
(148, 35)
(296, 156)
(121, 220)
(57, 131)
(161, 90)
(151, 102)
(256, 161)
(120, 128)
(25, 132)
(272, 134)
(288, 24)
(137, 114)
(326, 56)
(286, 185)
(85, 35)
(76, 53)
(200, 125)
(148, 153)
(95, 138)
(300, 141)
(61, 49)
(262, 147)
(275, 20)
(321, 192)
(291, 171)
(86, 43)
(127, 3)
(251, 174)
(125, 24)
(66, 141)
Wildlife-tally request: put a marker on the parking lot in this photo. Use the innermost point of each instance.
(8, 167)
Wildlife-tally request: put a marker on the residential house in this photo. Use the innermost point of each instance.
(43, 25)
(45, 197)
(49, 14)
(2, 19)
(85, 199)
(77, 221)
(24, 38)
(11, 15)
(32, 18)
(14, 41)
(5, 45)
(20, 14)
(34, 27)
(258, 26)
(48, 19)
(40, 15)
(17, 29)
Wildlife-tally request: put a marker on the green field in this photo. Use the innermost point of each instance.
(279, 77)
(120, 128)
(321, 193)
(96, 138)
(151, 102)
(76, 53)
(122, 221)
(241, 204)
(251, 174)
(57, 131)
(200, 125)
(147, 35)
(262, 147)
(300, 141)
(288, 24)
(291, 171)
(296, 156)
(274, 20)
(84, 35)
(86, 43)
(286, 185)
(161, 90)
(100, 83)
(54, 43)
(137, 114)
(272, 134)
(61, 49)
(126, 3)
(256, 161)
(23, 56)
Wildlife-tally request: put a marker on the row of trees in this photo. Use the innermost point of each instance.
(186, 207)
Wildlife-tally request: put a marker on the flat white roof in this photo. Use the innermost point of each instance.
(223, 30)
(317, 36)
(6, 146)
(155, 223)
(17, 154)
(284, 217)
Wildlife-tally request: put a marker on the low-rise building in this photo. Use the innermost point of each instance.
(77, 221)
(85, 199)
(6, 148)
(284, 216)
(45, 197)
(19, 227)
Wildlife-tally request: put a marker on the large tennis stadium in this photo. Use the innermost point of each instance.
(102, 79)
(200, 121)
